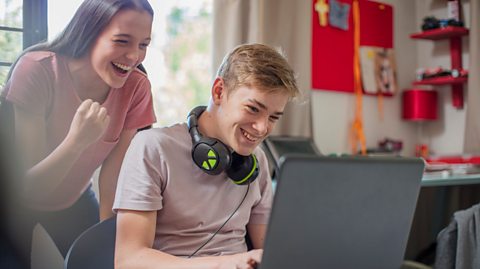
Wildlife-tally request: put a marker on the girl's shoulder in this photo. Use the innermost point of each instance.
(46, 60)
(40, 55)
(136, 78)
(138, 73)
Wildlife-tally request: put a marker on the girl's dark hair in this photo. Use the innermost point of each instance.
(83, 29)
(74, 42)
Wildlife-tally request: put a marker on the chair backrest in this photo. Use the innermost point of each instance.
(277, 146)
(94, 248)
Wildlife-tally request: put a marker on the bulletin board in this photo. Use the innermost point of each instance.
(332, 40)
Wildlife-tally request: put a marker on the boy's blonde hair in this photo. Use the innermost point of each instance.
(258, 65)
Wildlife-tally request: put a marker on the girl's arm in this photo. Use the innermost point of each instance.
(109, 173)
(45, 171)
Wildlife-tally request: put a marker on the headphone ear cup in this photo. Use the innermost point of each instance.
(244, 169)
(211, 155)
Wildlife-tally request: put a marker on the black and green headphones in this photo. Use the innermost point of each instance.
(214, 157)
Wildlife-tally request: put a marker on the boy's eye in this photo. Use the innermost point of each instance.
(273, 118)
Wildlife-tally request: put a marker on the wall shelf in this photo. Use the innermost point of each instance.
(447, 80)
(454, 35)
(441, 33)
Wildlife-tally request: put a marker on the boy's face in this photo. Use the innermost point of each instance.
(248, 115)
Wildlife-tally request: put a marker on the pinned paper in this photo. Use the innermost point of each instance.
(378, 70)
(338, 15)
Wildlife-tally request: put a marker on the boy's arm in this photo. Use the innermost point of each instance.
(257, 232)
(134, 241)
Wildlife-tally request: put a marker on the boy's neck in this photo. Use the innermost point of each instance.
(207, 124)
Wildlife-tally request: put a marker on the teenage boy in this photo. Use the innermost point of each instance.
(188, 193)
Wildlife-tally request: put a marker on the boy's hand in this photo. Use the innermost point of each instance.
(247, 260)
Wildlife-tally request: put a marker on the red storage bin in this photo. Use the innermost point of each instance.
(419, 105)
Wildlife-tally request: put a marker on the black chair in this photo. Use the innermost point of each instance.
(94, 248)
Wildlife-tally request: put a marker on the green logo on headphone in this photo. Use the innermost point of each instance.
(211, 161)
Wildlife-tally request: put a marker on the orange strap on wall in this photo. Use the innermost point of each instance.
(357, 134)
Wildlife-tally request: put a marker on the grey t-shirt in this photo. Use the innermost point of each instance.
(158, 174)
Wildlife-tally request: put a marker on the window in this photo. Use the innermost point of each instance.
(11, 34)
(22, 24)
(179, 57)
(178, 60)
(61, 12)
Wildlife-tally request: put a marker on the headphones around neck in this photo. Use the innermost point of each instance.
(214, 157)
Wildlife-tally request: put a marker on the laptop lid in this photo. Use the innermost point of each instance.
(342, 212)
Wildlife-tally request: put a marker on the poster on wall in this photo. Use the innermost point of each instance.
(379, 72)
(333, 48)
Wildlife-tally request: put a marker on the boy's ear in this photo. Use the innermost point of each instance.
(218, 90)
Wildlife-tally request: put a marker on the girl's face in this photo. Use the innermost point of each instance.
(121, 46)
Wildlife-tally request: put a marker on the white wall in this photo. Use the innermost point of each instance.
(446, 135)
(333, 112)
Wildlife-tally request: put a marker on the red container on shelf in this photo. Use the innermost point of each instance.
(419, 105)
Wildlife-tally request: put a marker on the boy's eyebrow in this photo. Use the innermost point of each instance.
(262, 106)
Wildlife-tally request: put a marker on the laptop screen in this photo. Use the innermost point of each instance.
(342, 212)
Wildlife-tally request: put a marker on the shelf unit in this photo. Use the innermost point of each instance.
(441, 81)
(454, 35)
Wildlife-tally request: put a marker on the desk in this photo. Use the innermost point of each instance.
(441, 181)
(450, 180)
(440, 196)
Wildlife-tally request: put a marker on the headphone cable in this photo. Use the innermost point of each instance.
(215, 233)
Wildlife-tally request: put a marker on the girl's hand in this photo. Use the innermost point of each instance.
(88, 124)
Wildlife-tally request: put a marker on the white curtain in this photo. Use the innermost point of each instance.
(472, 126)
(284, 24)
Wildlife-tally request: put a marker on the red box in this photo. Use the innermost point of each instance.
(419, 105)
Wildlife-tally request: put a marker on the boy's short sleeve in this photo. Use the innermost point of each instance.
(139, 184)
(261, 210)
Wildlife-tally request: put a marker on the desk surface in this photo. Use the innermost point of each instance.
(450, 180)
(438, 180)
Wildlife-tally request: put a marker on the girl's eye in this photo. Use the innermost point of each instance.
(143, 45)
(121, 41)
(253, 109)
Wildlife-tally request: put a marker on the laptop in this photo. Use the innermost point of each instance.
(342, 212)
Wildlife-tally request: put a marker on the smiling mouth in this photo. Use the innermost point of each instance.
(121, 68)
(249, 137)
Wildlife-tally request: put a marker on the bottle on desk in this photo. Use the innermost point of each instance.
(421, 150)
